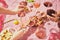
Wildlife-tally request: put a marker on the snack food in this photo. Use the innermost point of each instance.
(5, 35)
(16, 22)
(47, 4)
(36, 5)
(41, 33)
(22, 9)
(50, 12)
(23, 3)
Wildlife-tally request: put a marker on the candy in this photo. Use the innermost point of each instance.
(41, 33)
(20, 6)
(50, 12)
(47, 4)
(31, 6)
(30, 0)
(16, 22)
(23, 3)
(33, 18)
(31, 23)
(21, 13)
(27, 23)
(39, 22)
(36, 5)
(26, 9)
(53, 36)
(5, 35)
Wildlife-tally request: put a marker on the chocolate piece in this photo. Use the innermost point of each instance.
(47, 4)
(50, 12)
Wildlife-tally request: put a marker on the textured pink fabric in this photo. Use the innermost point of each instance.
(2, 16)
